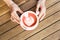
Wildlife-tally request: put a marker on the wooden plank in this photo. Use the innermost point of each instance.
(53, 36)
(30, 4)
(5, 18)
(53, 8)
(7, 26)
(12, 33)
(19, 1)
(2, 3)
(46, 32)
(3, 10)
(42, 25)
(50, 2)
(52, 11)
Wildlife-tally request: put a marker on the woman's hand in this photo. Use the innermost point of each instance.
(15, 10)
(41, 9)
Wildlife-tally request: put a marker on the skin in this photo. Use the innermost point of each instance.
(14, 7)
(42, 12)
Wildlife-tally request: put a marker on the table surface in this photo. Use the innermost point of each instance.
(48, 28)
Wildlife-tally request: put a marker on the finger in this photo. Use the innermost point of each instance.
(20, 11)
(38, 6)
(15, 20)
(14, 14)
(43, 11)
(12, 19)
(38, 11)
(42, 16)
(15, 17)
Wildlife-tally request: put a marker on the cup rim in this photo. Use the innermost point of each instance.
(24, 26)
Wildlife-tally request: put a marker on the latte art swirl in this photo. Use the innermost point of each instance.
(30, 20)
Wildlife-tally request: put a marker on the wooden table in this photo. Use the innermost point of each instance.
(48, 28)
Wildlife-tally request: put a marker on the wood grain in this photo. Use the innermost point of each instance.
(2, 3)
(10, 30)
(53, 36)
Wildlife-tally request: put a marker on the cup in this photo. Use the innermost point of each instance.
(29, 20)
